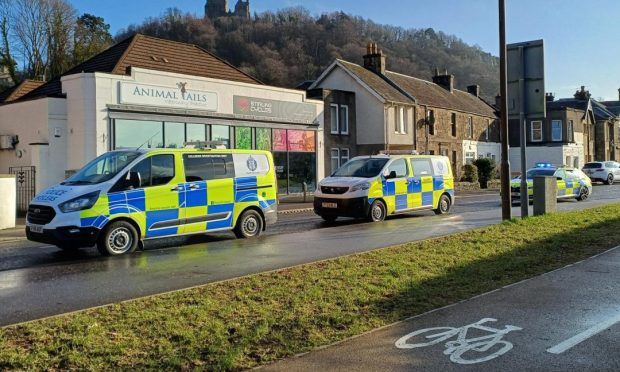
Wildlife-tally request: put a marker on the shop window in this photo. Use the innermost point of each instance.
(174, 135)
(138, 133)
(333, 112)
(302, 166)
(263, 139)
(201, 167)
(536, 131)
(197, 133)
(243, 138)
(280, 160)
(335, 159)
(221, 133)
(343, 119)
(556, 131)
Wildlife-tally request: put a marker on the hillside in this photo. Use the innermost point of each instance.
(289, 46)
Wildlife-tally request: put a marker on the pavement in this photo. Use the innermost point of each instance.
(565, 320)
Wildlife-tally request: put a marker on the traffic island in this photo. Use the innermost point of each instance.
(255, 320)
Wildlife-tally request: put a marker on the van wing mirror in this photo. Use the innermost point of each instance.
(134, 180)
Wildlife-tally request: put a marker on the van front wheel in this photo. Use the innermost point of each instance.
(118, 238)
(249, 225)
(444, 205)
(377, 211)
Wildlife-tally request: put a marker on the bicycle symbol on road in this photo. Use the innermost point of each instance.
(464, 350)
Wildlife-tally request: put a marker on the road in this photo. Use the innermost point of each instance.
(572, 323)
(38, 281)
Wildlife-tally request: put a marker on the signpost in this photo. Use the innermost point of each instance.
(505, 163)
(526, 97)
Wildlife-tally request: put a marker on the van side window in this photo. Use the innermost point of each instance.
(162, 169)
(400, 167)
(204, 167)
(421, 167)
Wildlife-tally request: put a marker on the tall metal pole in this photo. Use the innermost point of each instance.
(525, 199)
(503, 92)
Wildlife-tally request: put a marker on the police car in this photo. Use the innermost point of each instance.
(126, 196)
(571, 182)
(374, 187)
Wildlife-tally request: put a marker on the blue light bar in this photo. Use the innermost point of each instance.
(544, 165)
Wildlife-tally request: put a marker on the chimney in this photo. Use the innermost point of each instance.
(549, 97)
(474, 90)
(445, 81)
(582, 94)
(374, 60)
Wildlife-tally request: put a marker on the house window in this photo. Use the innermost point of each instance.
(344, 156)
(453, 122)
(444, 152)
(333, 111)
(487, 133)
(430, 118)
(470, 127)
(556, 131)
(470, 157)
(569, 132)
(335, 159)
(344, 119)
(399, 125)
(537, 135)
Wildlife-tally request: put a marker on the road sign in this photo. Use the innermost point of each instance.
(526, 65)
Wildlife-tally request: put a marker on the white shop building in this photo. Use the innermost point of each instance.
(151, 92)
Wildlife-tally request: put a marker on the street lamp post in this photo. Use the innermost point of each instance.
(505, 163)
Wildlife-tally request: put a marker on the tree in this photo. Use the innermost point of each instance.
(60, 19)
(91, 36)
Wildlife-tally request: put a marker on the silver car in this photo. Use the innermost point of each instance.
(603, 171)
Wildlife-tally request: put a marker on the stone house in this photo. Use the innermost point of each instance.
(400, 113)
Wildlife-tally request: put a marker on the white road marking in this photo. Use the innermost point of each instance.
(563, 346)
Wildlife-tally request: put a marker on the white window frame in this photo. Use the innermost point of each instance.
(553, 138)
(532, 130)
(343, 158)
(402, 121)
(344, 127)
(332, 131)
(336, 157)
(570, 135)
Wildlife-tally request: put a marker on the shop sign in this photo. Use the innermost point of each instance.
(179, 96)
(265, 108)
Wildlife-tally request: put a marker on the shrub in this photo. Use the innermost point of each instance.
(486, 170)
(470, 173)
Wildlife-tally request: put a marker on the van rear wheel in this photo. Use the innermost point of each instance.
(249, 225)
(118, 238)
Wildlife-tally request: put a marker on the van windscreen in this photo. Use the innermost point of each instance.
(364, 168)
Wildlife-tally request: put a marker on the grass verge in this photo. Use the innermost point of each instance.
(254, 320)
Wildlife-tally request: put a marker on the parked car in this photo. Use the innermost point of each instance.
(603, 171)
(571, 182)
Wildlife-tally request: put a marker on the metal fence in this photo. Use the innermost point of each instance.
(26, 187)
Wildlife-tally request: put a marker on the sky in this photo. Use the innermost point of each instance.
(582, 43)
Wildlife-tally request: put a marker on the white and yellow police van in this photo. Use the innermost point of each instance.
(374, 187)
(125, 196)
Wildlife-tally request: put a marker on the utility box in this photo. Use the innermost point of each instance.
(8, 201)
(545, 195)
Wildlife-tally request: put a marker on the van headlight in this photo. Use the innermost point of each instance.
(80, 203)
(360, 186)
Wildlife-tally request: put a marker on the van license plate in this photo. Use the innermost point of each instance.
(329, 205)
(36, 229)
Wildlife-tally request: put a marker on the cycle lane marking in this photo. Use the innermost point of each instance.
(462, 345)
(577, 339)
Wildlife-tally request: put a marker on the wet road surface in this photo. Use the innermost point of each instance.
(38, 280)
(566, 320)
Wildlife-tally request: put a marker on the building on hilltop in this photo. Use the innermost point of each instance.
(219, 8)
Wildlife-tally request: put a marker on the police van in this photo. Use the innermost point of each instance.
(126, 196)
(374, 187)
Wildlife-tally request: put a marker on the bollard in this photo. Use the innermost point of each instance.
(305, 188)
(545, 195)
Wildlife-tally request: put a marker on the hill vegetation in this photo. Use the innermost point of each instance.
(287, 47)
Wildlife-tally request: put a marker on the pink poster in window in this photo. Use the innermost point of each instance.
(279, 140)
(301, 140)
